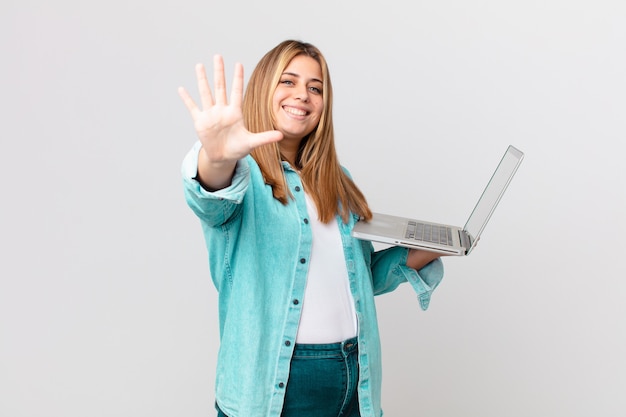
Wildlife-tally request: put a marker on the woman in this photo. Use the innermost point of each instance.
(298, 329)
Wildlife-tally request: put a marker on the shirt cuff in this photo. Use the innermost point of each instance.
(425, 280)
(234, 192)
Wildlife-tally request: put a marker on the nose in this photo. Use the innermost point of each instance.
(302, 93)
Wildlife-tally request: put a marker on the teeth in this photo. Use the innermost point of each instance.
(295, 112)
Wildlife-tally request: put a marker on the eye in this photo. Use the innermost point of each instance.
(316, 90)
(286, 82)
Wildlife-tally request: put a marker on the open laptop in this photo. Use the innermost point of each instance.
(442, 238)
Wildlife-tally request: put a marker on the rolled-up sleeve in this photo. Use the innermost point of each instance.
(389, 270)
(214, 207)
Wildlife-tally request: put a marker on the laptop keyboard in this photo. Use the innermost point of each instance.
(429, 233)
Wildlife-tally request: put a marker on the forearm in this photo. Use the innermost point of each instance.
(418, 259)
(213, 175)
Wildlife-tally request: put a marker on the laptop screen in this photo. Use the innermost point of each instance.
(493, 192)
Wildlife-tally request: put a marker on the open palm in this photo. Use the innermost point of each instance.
(218, 123)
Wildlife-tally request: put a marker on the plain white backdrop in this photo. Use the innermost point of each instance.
(106, 306)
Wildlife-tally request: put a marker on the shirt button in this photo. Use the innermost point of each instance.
(306, 221)
(281, 385)
(287, 343)
(296, 301)
(297, 188)
(302, 260)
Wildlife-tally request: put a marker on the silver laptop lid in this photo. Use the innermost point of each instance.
(492, 194)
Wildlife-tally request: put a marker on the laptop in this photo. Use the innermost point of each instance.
(443, 238)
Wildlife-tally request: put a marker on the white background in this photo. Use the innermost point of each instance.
(106, 306)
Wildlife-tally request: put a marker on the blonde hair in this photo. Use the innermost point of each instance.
(326, 182)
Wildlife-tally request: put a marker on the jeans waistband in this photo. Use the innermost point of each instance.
(345, 347)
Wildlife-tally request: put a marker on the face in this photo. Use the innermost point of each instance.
(298, 101)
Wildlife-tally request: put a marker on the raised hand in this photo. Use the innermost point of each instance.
(220, 127)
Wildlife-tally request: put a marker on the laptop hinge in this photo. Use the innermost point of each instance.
(466, 240)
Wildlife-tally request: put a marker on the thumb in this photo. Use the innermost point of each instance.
(263, 138)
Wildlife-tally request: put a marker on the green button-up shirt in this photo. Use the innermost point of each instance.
(258, 252)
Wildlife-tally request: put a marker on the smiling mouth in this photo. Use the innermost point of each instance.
(294, 111)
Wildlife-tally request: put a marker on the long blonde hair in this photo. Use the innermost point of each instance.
(329, 186)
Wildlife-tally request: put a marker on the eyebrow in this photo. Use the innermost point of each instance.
(293, 74)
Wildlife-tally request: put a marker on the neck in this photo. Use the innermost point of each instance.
(289, 150)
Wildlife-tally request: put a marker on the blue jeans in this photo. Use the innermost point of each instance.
(322, 382)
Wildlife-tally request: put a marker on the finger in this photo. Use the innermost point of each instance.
(263, 138)
(236, 95)
(187, 100)
(203, 87)
(219, 80)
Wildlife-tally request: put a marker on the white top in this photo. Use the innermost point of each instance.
(328, 313)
